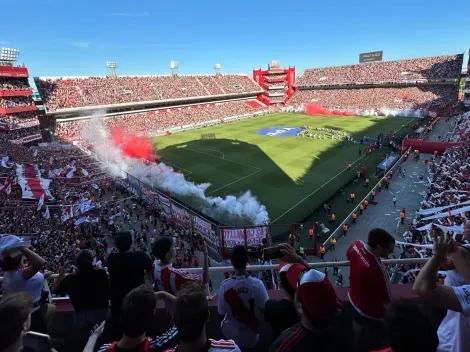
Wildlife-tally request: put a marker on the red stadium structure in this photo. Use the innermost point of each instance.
(466, 92)
(278, 84)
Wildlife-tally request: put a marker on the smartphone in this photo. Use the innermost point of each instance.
(36, 342)
(272, 253)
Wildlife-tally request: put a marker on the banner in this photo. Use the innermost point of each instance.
(204, 228)
(67, 212)
(181, 217)
(165, 205)
(235, 237)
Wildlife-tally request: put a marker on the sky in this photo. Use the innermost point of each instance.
(76, 38)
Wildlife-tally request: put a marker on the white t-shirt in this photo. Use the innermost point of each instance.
(455, 327)
(241, 300)
(14, 282)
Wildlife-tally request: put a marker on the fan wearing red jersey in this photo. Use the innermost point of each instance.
(191, 315)
(241, 300)
(168, 278)
(369, 291)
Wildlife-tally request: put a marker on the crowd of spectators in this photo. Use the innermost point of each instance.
(61, 93)
(7, 83)
(154, 122)
(13, 102)
(276, 76)
(438, 67)
(18, 120)
(422, 97)
(448, 184)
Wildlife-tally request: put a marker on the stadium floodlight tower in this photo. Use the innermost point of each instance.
(217, 68)
(174, 65)
(8, 56)
(111, 66)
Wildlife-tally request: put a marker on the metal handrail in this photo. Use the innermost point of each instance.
(222, 269)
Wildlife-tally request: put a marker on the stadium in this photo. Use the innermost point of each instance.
(233, 160)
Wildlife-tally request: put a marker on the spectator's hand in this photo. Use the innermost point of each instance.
(290, 255)
(443, 245)
(98, 330)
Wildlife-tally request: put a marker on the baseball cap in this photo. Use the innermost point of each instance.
(313, 289)
(11, 241)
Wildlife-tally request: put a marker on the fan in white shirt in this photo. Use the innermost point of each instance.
(241, 299)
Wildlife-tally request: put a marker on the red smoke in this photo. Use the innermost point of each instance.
(133, 146)
(317, 109)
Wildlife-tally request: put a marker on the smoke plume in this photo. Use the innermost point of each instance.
(125, 153)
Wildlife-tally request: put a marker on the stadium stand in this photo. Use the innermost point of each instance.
(88, 209)
(421, 83)
(155, 122)
(422, 97)
(429, 68)
(71, 92)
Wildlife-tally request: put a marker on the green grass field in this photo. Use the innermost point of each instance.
(291, 176)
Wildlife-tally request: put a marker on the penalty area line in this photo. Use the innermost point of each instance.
(218, 157)
(180, 168)
(315, 191)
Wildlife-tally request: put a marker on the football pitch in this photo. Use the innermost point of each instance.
(292, 176)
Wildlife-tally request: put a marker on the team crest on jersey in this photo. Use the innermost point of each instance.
(279, 131)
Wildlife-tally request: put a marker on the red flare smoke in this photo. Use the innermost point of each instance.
(317, 109)
(133, 146)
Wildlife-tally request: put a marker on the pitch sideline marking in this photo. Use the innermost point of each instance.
(258, 169)
(315, 191)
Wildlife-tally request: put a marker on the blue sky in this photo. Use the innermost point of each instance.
(60, 37)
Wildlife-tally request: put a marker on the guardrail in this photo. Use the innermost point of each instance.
(223, 269)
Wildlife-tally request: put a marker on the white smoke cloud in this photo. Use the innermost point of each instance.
(161, 176)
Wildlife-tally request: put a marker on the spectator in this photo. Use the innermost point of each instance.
(369, 290)
(126, 271)
(281, 314)
(15, 315)
(88, 290)
(408, 329)
(453, 332)
(241, 299)
(20, 278)
(191, 316)
(323, 324)
(166, 277)
(138, 314)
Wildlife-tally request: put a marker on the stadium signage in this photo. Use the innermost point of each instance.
(279, 131)
(371, 57)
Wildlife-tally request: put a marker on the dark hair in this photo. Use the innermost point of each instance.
(239, 257)
(161, 247)
(380, 237)
(138, 310)
(408, 329)
(11, 263)
(123, 241)
(285, 284)
(191, 312)
(14, 311)
(84, 261)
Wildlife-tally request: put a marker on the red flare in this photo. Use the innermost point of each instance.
(133, 146)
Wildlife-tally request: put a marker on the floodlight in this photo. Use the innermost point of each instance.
(174, 65)
(9, 55)
(111, 64)
(218, 66)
